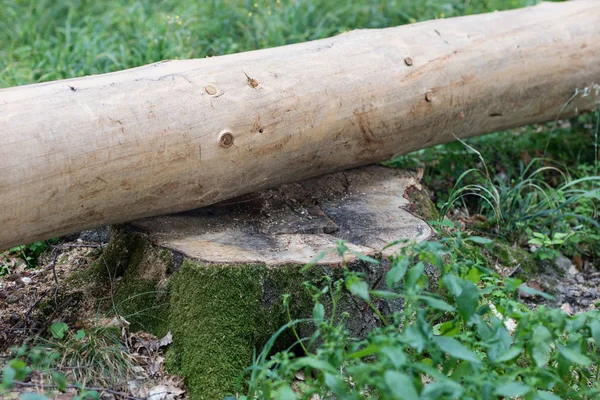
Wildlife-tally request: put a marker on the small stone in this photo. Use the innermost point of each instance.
(573, 270)
(26, 280)
(563, 263)
(567, 309)
(100, 235)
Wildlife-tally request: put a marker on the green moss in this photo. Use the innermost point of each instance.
(221, 314)
(422, 205)
(514, 256)
(142, 295)
(216, 321)
(121, 254)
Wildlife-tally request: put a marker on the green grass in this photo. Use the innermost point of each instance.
(527, 182)
(50, 39)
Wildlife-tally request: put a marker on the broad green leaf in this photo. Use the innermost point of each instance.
(58, 329)
(540, 349)
(396, 356)
(574, 356)
(396, 272)
(526, 289)
(358, 287)
(508, 355)
(318, 313)
(285, 393)
(452, 283)
(400, 385)
(365, 352)
(438, 304)
(500, 342)
(384, 294)
(464, 368)
(414, 274)
(479, 240)
(543, 395)
(336, 385)
(448, 328)
(560, 236)
(8, 376)
(92, 395)
(60, 380)
(535, 242)
(595, 328)
(80, 334)
(512, 284)
(445, 389)
(456, 349)
(474, 275)
(313, 363)
(512, 389)
(20, 367)
(363, 257)
(414, 338)
(468, 300)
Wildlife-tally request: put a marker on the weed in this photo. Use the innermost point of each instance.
(31, 252)
(476, 342)
(68, 359)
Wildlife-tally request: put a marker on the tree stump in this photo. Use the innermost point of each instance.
(215, 276)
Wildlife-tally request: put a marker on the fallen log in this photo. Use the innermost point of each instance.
(178, 135)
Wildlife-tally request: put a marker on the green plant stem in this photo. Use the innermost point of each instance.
(293, 327)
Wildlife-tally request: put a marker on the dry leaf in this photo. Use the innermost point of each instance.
(167, 340)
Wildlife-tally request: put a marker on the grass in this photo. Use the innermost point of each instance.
(48, 39)
(96, 357)
(532, 181)
(81, 360)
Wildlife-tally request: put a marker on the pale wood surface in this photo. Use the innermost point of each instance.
(177, 135)
(294, 223)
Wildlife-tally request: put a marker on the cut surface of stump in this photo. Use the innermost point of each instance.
(296, 223)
